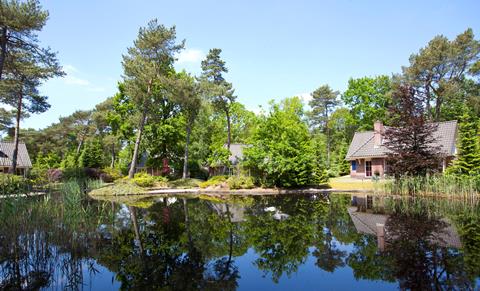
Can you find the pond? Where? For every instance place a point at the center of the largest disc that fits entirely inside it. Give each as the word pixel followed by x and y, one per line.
pixel 303 242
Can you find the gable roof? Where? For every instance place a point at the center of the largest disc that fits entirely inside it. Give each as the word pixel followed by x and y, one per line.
pixel 363 143
pixel 6 153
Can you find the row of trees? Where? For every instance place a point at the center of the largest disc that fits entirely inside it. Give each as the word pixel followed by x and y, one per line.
pixel 192 120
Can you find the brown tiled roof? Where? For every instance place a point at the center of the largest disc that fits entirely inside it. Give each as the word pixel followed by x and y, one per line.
pixel 362 145
pixel 6 153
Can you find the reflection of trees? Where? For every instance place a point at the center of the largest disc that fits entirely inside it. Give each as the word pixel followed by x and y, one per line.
pixel 420 261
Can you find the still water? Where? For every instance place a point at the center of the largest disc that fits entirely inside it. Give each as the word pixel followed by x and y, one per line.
pixel 299 242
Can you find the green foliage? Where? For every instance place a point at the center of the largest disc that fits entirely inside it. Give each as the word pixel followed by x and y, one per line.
pixel 213 181
pixel 324 99
pixel 240 182
pixel 13 184
pixel 368 99
pixel 282 153
pixel 92 155
pixel 49 161
pixel 468 148
pixel 113 173
pixel 143 179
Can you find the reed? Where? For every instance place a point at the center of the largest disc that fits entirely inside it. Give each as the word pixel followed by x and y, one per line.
pixel 435 185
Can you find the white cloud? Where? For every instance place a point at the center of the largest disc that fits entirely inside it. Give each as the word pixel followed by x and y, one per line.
pixel 190 56
pixel 69 69
pixel 306 97
pixel 72 80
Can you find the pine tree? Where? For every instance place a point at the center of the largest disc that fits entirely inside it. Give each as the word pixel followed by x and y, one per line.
pixel 468 161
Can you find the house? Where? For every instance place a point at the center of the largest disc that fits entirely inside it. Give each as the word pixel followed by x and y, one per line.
pixel 367 153
pixel 23 159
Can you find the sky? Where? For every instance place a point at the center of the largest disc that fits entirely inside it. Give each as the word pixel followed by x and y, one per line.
pixel 273 49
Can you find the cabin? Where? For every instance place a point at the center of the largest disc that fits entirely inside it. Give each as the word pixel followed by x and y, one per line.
pixel 368 155
pixel 236 156
pixel 23 159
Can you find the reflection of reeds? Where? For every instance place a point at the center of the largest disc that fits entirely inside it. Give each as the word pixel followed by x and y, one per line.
pixel 435 185
pixel 35 232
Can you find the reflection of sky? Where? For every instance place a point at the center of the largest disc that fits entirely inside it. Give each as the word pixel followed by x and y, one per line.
pixel 308 277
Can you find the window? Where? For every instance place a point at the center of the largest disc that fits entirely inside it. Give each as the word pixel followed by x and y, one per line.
pixel 354 165
pixel 368 168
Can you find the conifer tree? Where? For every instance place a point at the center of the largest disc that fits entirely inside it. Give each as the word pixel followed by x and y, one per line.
pixel 219 90
pixel 468 160
pixel 147 67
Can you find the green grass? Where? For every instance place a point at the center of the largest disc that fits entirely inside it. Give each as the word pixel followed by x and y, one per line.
pixel 120 188
pixel 184 183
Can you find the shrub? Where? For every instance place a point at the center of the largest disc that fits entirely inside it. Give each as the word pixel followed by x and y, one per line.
pixel 240 182
pixel 110 175
pixel 143 180
pixel 213 181
pixel 160 181
pixel 39 176
pixel 54 175
pixel 13 184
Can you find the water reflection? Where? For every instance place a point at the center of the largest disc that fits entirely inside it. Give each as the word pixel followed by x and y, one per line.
pixel 226 244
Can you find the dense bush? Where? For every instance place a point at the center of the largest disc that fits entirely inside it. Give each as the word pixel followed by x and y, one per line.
pixel 110 174
pixel 240 182
pixel 143 179
pixel 13 184
pixel 213 181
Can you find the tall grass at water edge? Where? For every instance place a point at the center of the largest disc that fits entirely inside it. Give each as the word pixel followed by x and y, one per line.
pixel 435 185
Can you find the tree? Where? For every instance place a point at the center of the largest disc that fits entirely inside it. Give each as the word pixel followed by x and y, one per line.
pixel 368 99
pixel 187 94
pixel 468 158
pixel 438 70
pixel 282 152
pixel 20 22
pixel 411 143
pixel 324 100
pixel 215 85
pixel 92 155
pixel 146 67
pixel 6 118
pixel 19 89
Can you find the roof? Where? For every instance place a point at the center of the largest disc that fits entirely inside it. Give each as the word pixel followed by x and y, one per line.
pixel 366 223
pixel 362 145
pixel 6 153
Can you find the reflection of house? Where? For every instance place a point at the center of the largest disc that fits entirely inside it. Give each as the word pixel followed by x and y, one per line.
pixel 370 223
pixel 23 159
pixel 367 153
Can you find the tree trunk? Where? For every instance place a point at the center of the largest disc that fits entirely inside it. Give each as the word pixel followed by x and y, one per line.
pixel 112 163
pixel 185 160
pixel 133 165
pixel 229 133
pixel 13 168
pixel 3 47
pixel 133 217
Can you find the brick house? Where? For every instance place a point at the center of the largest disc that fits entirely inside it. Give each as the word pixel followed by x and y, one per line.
pixel 367 153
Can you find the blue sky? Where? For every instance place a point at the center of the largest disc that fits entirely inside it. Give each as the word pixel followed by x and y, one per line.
pixel 273 49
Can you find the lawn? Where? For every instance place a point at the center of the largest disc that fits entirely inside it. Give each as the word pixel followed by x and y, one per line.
pixel 348 183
